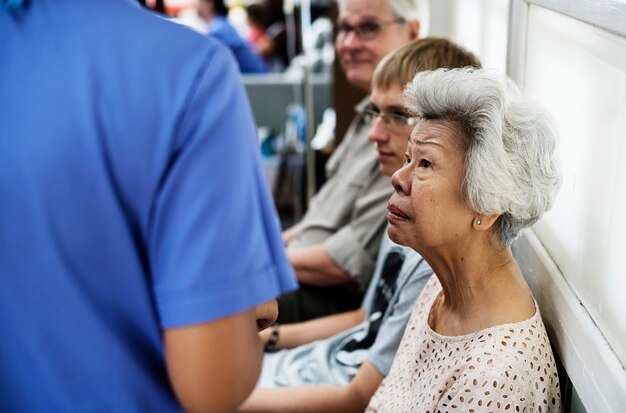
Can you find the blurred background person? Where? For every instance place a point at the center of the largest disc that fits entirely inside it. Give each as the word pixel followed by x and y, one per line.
pixel 214 13
pixel 258 35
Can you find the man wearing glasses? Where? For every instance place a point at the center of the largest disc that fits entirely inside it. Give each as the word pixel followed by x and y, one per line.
pixel 333 249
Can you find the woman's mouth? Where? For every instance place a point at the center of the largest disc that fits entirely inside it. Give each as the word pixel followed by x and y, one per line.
pixel 396 214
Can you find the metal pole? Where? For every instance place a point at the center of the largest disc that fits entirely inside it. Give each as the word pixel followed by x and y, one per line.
pixel 305 24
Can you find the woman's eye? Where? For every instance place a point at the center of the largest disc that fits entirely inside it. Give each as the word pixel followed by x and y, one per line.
pixel 425 163
pixel 407 160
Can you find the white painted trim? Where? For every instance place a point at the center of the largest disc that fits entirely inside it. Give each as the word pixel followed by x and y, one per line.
pixel 518 24
pixel 609 15
pixel 606 14
pixel 594 369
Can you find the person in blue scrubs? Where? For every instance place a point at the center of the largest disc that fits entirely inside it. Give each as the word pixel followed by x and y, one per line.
pixel 137 233
pixel 214 12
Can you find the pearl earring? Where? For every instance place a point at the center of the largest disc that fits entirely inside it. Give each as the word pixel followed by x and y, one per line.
pixel 478 222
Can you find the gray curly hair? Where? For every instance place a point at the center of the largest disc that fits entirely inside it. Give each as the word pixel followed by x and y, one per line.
pixel 511 168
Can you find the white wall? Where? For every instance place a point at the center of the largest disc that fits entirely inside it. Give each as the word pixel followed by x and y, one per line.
pixel 481 26
pixel 574 257
pixel 579 73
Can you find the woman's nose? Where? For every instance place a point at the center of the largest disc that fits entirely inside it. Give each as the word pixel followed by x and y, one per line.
pixel 400 182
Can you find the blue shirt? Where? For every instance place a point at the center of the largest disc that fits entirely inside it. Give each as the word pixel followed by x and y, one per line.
pixel 132 200
pixel 249 61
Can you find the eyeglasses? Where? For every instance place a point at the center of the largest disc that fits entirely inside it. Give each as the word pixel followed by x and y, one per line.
pixel 394 122
pixel 364 31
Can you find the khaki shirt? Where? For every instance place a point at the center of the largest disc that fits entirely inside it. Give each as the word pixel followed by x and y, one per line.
pixel 348 214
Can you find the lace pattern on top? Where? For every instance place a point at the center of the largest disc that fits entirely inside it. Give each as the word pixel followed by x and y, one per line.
pixel 505 368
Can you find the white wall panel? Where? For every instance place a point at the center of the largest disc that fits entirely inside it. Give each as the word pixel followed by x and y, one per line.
pixel 482 27
pixel 579 73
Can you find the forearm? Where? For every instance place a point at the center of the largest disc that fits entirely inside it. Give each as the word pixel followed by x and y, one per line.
pixel 294 335
pixel 314 266
pixel 214 366
pixel 303 400
pixel 352 398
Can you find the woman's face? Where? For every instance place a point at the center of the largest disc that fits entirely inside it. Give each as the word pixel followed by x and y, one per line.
pixel 427 209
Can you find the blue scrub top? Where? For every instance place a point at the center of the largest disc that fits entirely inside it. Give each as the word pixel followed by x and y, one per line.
pixel 133 200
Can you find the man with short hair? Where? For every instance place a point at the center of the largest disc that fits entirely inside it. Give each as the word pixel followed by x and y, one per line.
pixel 333 249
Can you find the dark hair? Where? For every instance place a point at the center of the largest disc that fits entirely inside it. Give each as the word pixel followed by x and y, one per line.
pixel 220 7
pixel 258 14
pixel 159 5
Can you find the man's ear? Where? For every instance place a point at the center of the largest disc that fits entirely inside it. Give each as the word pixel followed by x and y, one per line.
pixel 414 29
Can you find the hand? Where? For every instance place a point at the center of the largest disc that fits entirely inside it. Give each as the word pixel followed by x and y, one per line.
pixel 266 314
pixel 290 234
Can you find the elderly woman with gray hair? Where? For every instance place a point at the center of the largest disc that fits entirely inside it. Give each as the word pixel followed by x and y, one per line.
pixel 480 166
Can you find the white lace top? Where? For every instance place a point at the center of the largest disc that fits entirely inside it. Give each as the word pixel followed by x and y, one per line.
pixel 506 368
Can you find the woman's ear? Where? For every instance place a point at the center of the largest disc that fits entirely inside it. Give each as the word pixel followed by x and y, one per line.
pixel 484 222
pixel 414 29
